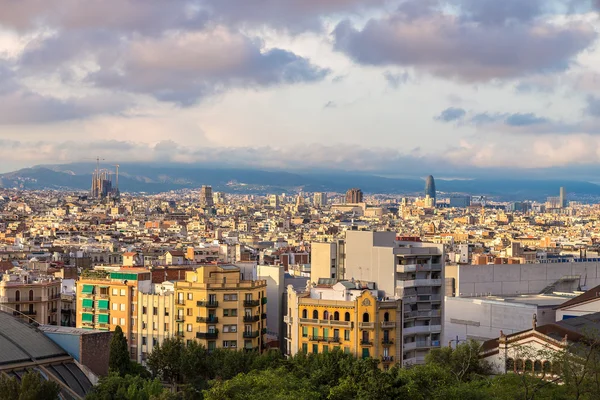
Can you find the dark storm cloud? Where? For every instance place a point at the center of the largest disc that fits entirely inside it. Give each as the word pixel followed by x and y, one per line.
pixel 451 114
pixel 477 45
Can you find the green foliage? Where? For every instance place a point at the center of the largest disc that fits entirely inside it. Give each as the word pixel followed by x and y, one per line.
pixel 463 362
pixel 116 387
pixel 118 360
pixel 31 387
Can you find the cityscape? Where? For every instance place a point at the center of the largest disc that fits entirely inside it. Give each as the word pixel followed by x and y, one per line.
pixel 394 199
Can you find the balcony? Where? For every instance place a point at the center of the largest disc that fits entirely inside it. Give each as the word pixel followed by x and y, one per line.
pixel 24 312
pixel 251 318
pixel 387 359
pixel 334 339
pixel 388 324
pixel 418 283
pixel 406 268
pixel 207 335
pixel 263 316
pixel 330 322
pixel 208 304
pixel 251 303
pixel 288 320
pixel 366 325
pixel 251 334
pixel 179 334
pixel 366 342
pixel 423 314
pixel 180 318
pixel 387 342
pixel 263 300
pixel 181 302
pixel 422 329
pixel 207 320
pixel 249 349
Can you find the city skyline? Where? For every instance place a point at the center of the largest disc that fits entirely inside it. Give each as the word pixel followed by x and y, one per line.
pixel 306 84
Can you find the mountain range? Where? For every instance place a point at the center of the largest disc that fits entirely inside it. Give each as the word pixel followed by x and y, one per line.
pixel 155 178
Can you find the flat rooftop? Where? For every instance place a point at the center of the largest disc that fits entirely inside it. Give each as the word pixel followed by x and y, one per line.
pixel 540 300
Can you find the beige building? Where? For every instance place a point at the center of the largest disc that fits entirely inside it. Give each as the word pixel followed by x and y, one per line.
pixel 31 297
pixel 155 315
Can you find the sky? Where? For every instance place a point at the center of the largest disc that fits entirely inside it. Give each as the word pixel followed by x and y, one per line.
pixel 457 88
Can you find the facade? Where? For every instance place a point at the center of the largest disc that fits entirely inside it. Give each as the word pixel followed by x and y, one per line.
pixel 460 201
pixel 106 300
pixel 320 199
pixel 354 196
pixel 274 201
pixel 430 188
pixel 411 271
pixel 206 196
pixel 31 297
pixel 154 312
pixel 347 316
pixel 584 304
pixel 563 197
pixel 274 275
pixel 215 306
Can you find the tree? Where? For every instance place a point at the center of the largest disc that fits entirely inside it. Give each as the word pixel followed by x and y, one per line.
pixel 31 387
pixel 166 360
pixel 113 387
pixel 463 362
pixel 118 360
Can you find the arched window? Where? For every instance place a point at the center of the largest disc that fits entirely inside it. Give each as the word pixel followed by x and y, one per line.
pixel 315 314
pixel 529 366
pixel 386 317
pixel 31 295
pixel 519 363
pixel 366 317
pixel 18 295
pixel 510 365
pixel 305 313
pixel 336 316
pixel 325 315
pixel 537 366
pixel 547 367
pixel 347 316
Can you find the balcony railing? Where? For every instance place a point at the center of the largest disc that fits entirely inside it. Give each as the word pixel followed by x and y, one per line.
pixel 24 312
pixel 251 334
pixel 419 282
pixel 248 349
pixel 207 335
pixel 387 359
pixel 207 320
pixel 388 324
pixel 366 342
pixel 181 302
pixel 180 318
pixel 387 342
pixel 366 325
pixel 331 322
pixel 251 303
pixel 263 316
pixel 422 329
pixel 208 304
pixel 179 334
pixel 423 314
pixel 251 318
pixel 334 339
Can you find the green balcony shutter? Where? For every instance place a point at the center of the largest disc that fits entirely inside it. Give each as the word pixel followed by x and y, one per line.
pixel 103 304
pixel 103 318
pixel 87 317
pixel 88 303
pixel 87 289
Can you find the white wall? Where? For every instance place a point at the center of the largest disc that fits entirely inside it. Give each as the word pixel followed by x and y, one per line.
pixel 274 275
pixel 579 309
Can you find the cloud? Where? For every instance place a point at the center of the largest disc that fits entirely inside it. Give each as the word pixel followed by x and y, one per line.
pixel 526 119
pixel 330 104
pixel 395 80
pixel 451 114
pixel 476 47
pixel 593 106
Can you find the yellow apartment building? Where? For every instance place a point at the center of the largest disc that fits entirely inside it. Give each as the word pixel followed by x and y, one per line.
pixel 215 306
pixel 31 297
pixel 347 316
pixel 107 299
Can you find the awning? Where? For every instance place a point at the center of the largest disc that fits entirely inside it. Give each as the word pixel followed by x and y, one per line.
pixel 87 289
pixel 88 303
pixel 103 318
pixel 103 304
pixel 87 317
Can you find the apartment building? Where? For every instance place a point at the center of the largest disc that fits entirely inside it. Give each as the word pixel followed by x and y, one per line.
pixel 344 315
pixel 220 309
pixel 31 297
pixel 411 271
pixel 155 315
pixel 107 299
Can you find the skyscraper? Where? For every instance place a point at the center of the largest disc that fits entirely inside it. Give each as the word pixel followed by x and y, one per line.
pixel 206 196
pixel 354 196
pixel 563 197
pixel 430 188
pixel 320 199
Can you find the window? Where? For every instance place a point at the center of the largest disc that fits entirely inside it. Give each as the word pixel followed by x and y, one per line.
pixel 386 317
pixel 189 327
pixel 18 295
pixel 115 306
pixel 315 331
pixel 143 340
pixel 154 326
pixel 231 344
pixel 336 333
pixel 304 313
pixel 230 312
pixel 315 348
pixel 31 294
pixel 325 349
pixel 248 297
pixel 143 325
pixel 365 353
pixel 144 310
pixel 115 292
pixel 305 348
pixel 346 350
pixel 122 321
pixel 115 321
pixel 230 297
pixel 229 328
pixel 212 345
pixel 122 292
pixel 347 316
pixel 304 331
pixel 325 333
pixel 315 314
pixel 190 296
pixel 325 315
pixel 154 342
pixel 346 334
pixel 166 312
pixel 189 312
pixel 122 307
pixel 365 317
pixel 166 326
pixel 154 310
pixel 336 316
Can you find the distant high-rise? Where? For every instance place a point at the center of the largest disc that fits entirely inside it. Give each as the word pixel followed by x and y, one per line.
pixel 354 196
pixel 206 196
pixel 274 201
pixel 563 197
pixel 320 199
pixel 102 182
pixel 430 188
